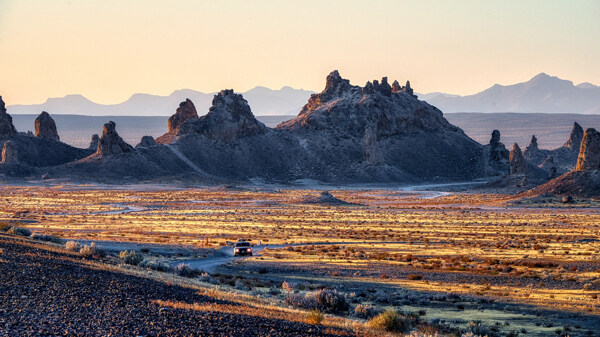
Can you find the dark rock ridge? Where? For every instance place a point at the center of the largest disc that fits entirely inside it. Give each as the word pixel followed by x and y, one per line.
pixel 518 164
pixel 345 134
pixel 45 127
pixel 94 142
pixel 584 179
pixel 7 129
pixel 111 143
pixel 228 119
pixel 146 141
pixel 325 198
pixel 496 156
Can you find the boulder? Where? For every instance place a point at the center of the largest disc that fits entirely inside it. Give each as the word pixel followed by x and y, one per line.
pixel 7 129
pixel 9 152
pixel 589 153
pixel 147 141
pixel 45 127
pixel 184 112
pixel 518 164
pixel 111 143
pixel 94 142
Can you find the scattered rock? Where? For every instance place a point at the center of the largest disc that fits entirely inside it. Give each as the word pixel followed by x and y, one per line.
pixel 45 127
pixel 111 143
pixel 518 164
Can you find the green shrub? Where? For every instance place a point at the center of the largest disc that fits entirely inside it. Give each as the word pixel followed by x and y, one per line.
pixel 131 257
pixel 389 320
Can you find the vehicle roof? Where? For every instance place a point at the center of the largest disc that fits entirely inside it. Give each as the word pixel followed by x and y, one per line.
pixel 244 243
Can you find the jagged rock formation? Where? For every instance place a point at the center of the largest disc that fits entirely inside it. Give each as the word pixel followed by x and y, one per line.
pixel 325 198
pixel 146 141
pixel 589 153
pixel 7 129
pixel 228 119
pixel 9 153
pixel 496 156
pixel 518 164
pixel 94 142
pixel 563 159
pixel 584 180
pixel 111 143
pixel 45 127
pixel 185 111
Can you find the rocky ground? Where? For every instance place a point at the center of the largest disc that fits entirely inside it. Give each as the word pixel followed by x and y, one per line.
pixel 45 292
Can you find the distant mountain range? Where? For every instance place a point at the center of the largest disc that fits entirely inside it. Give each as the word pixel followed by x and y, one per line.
pixel 543 93
pixel 264 102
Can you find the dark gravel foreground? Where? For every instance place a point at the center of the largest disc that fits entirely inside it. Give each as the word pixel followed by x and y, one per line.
pixel 44 293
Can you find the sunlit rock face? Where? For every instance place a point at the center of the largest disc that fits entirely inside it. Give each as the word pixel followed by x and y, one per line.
pixel 10 153
pixel 45 127
pixel 228 118
pixel 589 153
pixel 184 112
pixel 518 164
pixel 111 143
pixel 7 129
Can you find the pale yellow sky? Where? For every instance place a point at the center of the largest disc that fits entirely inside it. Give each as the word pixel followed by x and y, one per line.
pixel 107 50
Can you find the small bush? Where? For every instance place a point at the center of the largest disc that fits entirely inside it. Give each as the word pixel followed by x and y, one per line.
pixel 4 227
pixel 131 257
pixel 155 265
pixel 331 300
pixel 47 238
pixel 73 246
pixel 92 251
pixel 364 311
pixel 415 277
pixel 389 320
pixel 19 231
pixel 314 317
pixel 184 270
pixel 287 286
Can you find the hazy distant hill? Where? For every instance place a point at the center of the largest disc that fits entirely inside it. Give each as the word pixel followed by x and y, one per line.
pixel 543 93
pixel 264 101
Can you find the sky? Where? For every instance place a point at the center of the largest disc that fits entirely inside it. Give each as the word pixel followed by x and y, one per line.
pixel 107 50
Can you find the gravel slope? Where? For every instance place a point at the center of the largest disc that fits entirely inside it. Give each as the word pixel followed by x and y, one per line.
pixel 48 293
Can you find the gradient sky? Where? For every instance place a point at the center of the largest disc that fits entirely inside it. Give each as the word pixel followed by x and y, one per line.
pixel 110 49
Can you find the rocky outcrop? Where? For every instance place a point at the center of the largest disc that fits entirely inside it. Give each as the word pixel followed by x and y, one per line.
pixel 575 138
pixel 184 112
pixel 496 156
pixel 94 142
pixel 147 141
pixel 589 153
pixel 111 143
pixel 10 153
pixel 518 164
pixel 7 129
pixel 228 119
pixel 45 127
